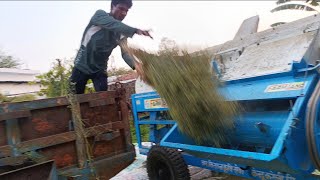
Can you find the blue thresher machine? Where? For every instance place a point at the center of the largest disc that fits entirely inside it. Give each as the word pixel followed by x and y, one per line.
pixel 274 75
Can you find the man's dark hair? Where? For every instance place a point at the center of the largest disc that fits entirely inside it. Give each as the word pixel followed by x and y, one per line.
pixel 127 2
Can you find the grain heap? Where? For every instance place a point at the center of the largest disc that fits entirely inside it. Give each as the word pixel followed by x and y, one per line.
pixel 190 90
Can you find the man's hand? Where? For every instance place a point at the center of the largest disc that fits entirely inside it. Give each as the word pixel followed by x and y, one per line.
pixel 144 32
pixel 140 72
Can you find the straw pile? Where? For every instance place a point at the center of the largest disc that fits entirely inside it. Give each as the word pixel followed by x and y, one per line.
pixel 190 90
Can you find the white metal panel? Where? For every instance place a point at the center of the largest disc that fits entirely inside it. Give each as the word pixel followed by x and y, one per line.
pixel 141 87
pixel 268 57
pixel 283 31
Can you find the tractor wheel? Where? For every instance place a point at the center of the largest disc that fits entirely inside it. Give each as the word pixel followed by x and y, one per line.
pixel 166 164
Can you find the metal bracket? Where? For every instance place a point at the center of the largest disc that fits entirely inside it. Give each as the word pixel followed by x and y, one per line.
pixel 263 127
pixel 309 68
pixel 216 68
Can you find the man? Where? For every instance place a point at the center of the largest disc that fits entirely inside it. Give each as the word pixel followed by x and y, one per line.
pixel 104 32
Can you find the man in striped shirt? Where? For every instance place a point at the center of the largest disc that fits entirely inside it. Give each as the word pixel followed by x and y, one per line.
pixel 103 33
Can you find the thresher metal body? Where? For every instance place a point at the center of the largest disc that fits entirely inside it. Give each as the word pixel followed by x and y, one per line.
pixel 274 75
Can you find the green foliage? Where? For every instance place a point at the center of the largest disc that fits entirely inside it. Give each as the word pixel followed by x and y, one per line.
pixel 26 97
pixel 8 61
pixel 282 1
pixel 294 6
pixel 144 131
pixel 55 82
pixel 312 2
pixel 89 89
pixel 4 98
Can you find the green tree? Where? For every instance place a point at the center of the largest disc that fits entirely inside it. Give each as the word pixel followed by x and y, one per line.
pixel 8 61
pixel 309 5
pixel 168 46
pixel 25 97
pixel 288 4
pixel 56 82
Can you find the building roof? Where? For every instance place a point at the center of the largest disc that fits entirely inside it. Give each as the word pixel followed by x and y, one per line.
pixel 17 75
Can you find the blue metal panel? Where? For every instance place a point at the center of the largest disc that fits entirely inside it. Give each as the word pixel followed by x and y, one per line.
pixel 157 122
pixel 253 90
pixel 153 128
pixel 297 110
pixel 259 129
pixel 177 140
pixel 244 171
pixel 140 102
pixel 136 119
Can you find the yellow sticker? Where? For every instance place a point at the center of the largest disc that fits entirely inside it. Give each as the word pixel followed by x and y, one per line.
pixel 154 103
pixel 285 87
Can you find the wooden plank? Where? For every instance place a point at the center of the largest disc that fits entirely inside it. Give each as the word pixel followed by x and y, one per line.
pixel 13 160
pixel 105 167
pixel 125 120
pixel 13 135
pixel 78 128
pixel 101 102
pixel 104 128
pixel 15 115
pixel 59 138
pixel 46 141
pixel 52 102
pixel 108 136
pixel 5 151
pixel 36 171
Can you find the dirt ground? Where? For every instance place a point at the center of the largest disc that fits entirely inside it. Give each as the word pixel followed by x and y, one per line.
pixel 137 171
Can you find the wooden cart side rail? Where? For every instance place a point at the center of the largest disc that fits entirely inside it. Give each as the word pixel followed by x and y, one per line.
pixel 59 138
pixel 9 109
pixel 108 165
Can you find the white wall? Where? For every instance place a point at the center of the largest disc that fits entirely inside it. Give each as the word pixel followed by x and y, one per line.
pixel 17 75
pixel 18 88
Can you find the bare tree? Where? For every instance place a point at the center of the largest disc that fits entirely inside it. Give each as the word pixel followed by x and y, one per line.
pixel 8 61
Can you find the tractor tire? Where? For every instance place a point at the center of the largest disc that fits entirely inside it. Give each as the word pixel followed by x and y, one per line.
pixel 166 164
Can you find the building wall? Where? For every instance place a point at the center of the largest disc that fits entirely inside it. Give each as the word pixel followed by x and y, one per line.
pixel 17 75
pixel 18 88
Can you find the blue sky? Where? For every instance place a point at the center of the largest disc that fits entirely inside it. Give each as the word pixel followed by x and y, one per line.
pixel 38 32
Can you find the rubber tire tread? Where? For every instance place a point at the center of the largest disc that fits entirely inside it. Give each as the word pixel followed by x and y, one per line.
pixel 310 121
pixel 173 160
